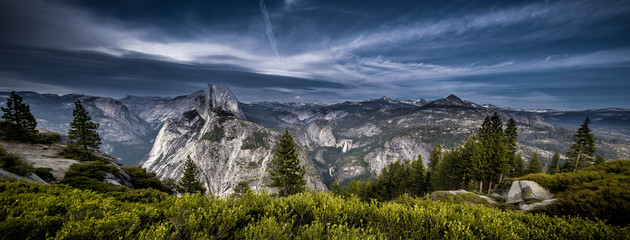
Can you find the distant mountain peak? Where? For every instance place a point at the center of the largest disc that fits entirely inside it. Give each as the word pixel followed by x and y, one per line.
pixel 450 101
pixel 452 97
pixel 219 99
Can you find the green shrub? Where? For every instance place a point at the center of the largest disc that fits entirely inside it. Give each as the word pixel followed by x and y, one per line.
pixel 92 169
pixel 44 174
pixel 49 138
pixel 73 151
pixel 138 195
pixel 597 192
pixel 56 211
pixel 141 179
pixel 545 180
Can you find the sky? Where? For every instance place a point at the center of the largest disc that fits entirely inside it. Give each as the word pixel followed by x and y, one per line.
pixel 564 55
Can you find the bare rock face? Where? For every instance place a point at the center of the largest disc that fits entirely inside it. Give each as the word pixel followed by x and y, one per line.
pixel 526 191
pixel 529 207
pixel 320 133
pixel 227 148
pixel 399 148
pixel 220 99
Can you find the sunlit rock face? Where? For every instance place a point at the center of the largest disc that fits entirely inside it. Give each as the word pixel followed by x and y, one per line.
pixel 227 148
pixel 337 142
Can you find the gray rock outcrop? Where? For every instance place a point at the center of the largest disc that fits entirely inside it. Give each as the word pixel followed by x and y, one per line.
pixel 529 207
pixel 527 191
pixel 227 148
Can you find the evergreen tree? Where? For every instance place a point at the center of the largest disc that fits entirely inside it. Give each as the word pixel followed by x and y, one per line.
pixel 519 169
pixel 419 186
pixel 554 167
pixel 581 152
pixel 492 162
pixel 21 125
pixel 286 174
pixel 511 145
pixel 82 129
pixel 434 161
pixel 189 183
pixel 534 164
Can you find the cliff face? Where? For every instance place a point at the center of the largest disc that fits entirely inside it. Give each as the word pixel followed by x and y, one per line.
pixel 339 142
pixel 226 147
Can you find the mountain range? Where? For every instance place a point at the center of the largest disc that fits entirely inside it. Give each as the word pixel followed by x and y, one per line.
pixel 232 141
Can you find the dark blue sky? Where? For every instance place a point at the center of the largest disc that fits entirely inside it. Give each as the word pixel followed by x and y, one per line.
pixel 536 54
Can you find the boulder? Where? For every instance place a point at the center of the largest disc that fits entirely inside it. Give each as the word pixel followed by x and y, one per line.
pixel 440 194
pixel 527 191
pixel 529 207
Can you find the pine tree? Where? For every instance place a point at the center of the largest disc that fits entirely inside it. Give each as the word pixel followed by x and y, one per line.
pixel 286 174
pixel 434 161
pixel 511 145
pixel 82 129
pixel 534 164
pixel 419 186
pixel 189 183
pixel 21 123
pixel 554 167
pixel 583 149
pixel 492 162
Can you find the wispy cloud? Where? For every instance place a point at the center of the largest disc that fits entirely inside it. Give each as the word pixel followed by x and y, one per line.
pixel 403 55
pixel 268 27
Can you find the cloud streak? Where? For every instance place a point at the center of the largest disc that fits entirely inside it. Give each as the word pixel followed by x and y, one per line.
pixel 268 27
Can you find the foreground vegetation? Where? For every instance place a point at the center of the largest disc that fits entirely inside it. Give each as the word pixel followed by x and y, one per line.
pixel 31 211
pixel 600 191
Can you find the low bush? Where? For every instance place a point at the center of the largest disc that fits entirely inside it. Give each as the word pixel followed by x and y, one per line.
pixel 73 151
pixel 598 192
pixel 48 138
pixel 44 174
pixel 141 179
pixel 37 212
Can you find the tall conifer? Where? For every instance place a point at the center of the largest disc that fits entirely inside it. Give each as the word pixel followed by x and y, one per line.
pixel 554 166
pixel 583 149
pixel 492 159
pixel 511 146
pixel 189 183
pixel 21 123
pixel 82 129
pixel 534 165
pixel 286 173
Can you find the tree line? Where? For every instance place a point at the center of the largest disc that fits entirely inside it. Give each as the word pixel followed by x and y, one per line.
pixel 484 159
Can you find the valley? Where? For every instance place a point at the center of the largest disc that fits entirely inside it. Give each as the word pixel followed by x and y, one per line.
pixel 233 141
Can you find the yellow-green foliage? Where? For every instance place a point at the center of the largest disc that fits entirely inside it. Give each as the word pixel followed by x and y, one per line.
pixel 37 212
pixel 600 191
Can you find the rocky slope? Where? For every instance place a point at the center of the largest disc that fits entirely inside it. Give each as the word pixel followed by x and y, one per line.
pixel 225 146
pixel 123 133
pixel 47 156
